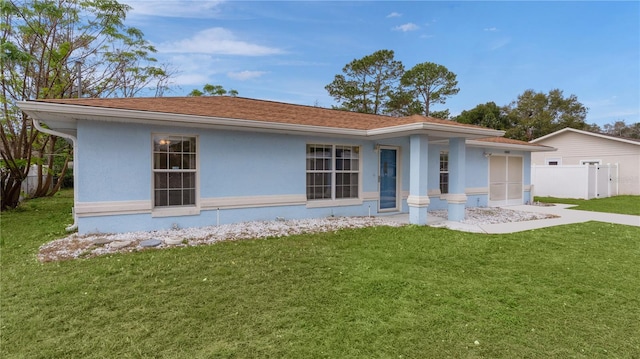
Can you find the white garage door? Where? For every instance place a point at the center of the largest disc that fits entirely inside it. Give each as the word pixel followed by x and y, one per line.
pixel 505 180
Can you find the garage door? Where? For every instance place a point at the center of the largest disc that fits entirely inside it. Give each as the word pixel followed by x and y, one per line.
pixel 505 180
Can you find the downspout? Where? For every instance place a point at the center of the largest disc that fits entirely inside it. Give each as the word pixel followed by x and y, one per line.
pixel 74 141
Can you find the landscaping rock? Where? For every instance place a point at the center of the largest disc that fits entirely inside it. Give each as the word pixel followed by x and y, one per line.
pixel 74 245
pixel 101 241
pixel 151 243
pixel 173 241
pixel 119 244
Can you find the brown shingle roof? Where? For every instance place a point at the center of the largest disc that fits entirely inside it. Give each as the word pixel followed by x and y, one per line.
pixel 508 141
pixel 256 110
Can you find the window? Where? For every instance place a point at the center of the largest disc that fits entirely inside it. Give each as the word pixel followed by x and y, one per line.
pixel 553 161
pixel 332 171
pixel 590 162
pixel 444 172
pixel 174 171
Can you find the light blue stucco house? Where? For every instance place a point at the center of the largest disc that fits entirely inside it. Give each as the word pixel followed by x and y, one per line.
pixel 156 163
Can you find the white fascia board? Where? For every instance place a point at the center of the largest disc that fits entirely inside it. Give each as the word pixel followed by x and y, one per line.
pixel 549 135
pixel 510 146
pixel 445 130
pixel 71 113
pixel 586 133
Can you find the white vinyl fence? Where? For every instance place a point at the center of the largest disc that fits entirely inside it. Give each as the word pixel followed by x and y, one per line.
pixel 30 184
pixel 578 181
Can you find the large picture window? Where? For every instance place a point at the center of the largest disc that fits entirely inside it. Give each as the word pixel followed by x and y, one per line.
pixel 332 171
pixel 174 170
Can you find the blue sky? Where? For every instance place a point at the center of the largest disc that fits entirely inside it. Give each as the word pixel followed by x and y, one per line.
pixel 288 51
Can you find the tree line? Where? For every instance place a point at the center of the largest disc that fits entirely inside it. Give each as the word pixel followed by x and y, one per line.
pixel 532 115
pixel 378 84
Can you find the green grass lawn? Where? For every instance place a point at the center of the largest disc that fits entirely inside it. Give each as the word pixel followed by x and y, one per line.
pixel 410 292
pixel 616 204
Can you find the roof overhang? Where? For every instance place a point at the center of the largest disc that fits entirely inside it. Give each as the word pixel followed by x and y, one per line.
pixel 511 146
pixel 434 130
pixel 587 133
pixel 64 118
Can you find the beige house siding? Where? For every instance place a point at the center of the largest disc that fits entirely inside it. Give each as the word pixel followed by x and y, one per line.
pixel 574 147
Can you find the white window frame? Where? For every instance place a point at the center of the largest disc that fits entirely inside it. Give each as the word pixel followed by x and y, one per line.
pixel 175 210
pixel 441 172
pixel 333 201
pixel 590 162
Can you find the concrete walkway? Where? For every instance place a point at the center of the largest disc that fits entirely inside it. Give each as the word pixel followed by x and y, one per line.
pixel 565 216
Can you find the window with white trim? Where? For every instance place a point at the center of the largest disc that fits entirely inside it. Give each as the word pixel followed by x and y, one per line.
pixel 174 170
pixel 444 172
pixel 590 162
pixel 333 171
pixel 553 161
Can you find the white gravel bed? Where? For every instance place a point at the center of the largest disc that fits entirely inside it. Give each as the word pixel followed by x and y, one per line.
pixel 493 215
pixel 87 246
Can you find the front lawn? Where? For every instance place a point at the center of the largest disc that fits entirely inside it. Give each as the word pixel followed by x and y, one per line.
pixel 616 204
pixel 410 292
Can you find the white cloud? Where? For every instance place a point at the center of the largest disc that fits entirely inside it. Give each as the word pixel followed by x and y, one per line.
pixel 175 8
pixel 605 115
pixel 609 101
pixel 218 41
pixel 193 62
pixel 490 29
pixel 394 14
pixel 245 75
pixel 500 43
pixel 196 80
pixel 406 27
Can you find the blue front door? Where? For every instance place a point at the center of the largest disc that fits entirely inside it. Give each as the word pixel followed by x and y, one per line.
pixel 388 179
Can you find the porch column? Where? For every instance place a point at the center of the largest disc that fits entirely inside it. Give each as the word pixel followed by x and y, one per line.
pixel 418 199
pixel 457 199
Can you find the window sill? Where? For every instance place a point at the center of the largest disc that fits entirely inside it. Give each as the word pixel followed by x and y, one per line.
pixel 334 202
pixel 175 211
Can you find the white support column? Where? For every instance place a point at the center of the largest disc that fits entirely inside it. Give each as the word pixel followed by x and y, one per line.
pixel 457 199
pixel 418 199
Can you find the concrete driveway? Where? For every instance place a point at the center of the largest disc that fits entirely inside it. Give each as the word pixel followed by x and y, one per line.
pixel 562 211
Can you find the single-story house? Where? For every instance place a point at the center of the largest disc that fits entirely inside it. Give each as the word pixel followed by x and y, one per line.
pixel 154 163
pixel 579 148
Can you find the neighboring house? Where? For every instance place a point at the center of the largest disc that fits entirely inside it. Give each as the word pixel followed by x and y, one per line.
pixel 152 163
pixel 620 157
